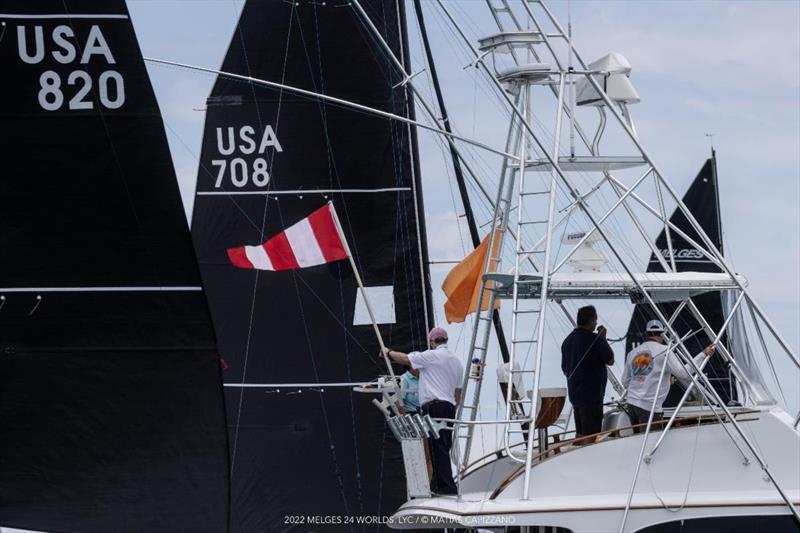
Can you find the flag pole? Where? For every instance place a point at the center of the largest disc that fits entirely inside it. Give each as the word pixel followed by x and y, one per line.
pixel 362 289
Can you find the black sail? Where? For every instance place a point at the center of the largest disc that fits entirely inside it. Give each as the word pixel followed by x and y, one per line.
pixel 269 159
pixel 702 200
pixel 111 406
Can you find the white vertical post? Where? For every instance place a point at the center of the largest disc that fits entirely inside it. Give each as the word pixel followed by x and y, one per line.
pixel 644 438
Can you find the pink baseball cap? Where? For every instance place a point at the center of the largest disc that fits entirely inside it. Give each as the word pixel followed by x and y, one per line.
pixel 437 333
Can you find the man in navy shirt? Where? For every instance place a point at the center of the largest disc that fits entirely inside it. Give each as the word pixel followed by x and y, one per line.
pixel 584 356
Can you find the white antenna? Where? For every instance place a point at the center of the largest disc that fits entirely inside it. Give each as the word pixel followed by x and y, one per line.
pixel 571 82
pixel 711 139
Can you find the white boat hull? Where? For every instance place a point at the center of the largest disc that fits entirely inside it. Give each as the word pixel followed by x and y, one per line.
pixel 697 472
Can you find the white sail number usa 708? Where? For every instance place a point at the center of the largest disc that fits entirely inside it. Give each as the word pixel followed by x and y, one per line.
pixel 244 141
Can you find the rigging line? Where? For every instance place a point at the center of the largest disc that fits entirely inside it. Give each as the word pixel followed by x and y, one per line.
pixel 462 56
pixel 324 119
pixel 296 275
pixel 323 409
pixel 334 100
pixel 691 471
pixel 332 168
pixel 348 370
pixel 336 318
pixel 153 260
pixel 409 98
pixel 205 169
pixel 471 224
pixel 240 405
pixel 333 174
pixel 394 133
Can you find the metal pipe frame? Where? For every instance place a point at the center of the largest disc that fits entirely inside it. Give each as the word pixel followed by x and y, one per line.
pixel 666 221
pixel 602 219
pixel 584 138
pixel 592 147
pixel 689 389
pixel 709 389
pixel 408 79
pixel 569 110
pixel 501 215
pixel 767 356
pixel 651 244
pixel 629 131
pixel 666 227
pixel 740 375
pixel 683 356
pixel 543 299
pixel 693 221
pixel 650 301
pixel 554 164
pixel 524 90
pixel 644 440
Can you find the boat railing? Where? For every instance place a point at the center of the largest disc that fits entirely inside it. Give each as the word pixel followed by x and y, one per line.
pixel 577 443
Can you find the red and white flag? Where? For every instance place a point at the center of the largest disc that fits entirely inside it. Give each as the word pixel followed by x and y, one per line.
pixel 315 240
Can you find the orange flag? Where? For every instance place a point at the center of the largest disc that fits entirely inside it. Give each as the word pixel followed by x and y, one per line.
pixel 463 284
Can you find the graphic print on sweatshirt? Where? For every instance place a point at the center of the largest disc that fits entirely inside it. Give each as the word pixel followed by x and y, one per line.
pixel 642 365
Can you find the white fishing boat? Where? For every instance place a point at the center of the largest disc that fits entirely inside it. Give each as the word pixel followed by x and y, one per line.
pixel 727 461
pixel 319 104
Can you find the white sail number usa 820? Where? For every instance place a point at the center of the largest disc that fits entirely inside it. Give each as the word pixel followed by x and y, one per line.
pixel 74 89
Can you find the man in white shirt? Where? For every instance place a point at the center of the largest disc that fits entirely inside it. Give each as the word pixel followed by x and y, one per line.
pixel 642 371
pixel 440 377
pixel 503 378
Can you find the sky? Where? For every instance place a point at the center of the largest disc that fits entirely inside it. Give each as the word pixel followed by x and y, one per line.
pixel 731 69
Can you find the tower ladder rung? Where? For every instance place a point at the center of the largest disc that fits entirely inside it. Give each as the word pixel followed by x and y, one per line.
pixel 529 252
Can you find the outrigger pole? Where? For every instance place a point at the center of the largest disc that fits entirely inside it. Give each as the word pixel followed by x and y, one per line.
pixel 333 100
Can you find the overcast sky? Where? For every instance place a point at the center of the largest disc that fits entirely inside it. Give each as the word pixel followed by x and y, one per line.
pixel 727 68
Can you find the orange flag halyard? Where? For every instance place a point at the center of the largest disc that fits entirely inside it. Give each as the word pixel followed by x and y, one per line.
pixel 463 283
